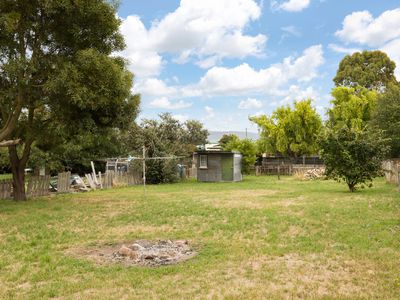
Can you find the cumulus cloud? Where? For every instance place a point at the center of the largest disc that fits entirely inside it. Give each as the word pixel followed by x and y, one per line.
pixel 291 5
pixel 143 58
pixel 245 79
pixel 165 103
pixel 206 31
pixel 296 93
pixel 250 103
pixel 155 87
pixel 382 32
pixel 361 27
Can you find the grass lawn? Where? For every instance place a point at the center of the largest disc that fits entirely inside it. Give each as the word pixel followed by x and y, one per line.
pixel 261 238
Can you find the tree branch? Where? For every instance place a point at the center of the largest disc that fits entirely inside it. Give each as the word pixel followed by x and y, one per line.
pixel 10 143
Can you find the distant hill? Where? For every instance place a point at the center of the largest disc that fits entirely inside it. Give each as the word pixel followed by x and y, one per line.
pixel 215 136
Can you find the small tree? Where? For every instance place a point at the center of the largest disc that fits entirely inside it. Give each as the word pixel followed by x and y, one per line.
pixel 290 131
pixel 352 107
pixel 226 138
pixel 248 150
pixel 353 156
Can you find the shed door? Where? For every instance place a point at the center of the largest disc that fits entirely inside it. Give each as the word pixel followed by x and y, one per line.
pixel 227 168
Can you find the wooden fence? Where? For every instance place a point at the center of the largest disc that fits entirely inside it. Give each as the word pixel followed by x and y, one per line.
pixel 392 170
pixel 5 188
pixel 64 182
pixel 38 186
pixel 284 169
pixel 112 179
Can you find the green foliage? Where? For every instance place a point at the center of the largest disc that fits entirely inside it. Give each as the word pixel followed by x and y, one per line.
pixel 370 69
pixel 226 138
pixel 59 77
pixel 352 155
pixel 290 132
pixel 248 150
pixel 352 107
pixel 387 118
pixel 165 137
pixel 194 133
pixel 4 161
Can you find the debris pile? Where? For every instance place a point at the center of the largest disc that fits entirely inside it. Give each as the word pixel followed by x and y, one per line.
pixel 153 253
pixel 314 174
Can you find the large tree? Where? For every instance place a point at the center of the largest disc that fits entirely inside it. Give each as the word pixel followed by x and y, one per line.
pixel 352 107
pixel 291 132
pixel 57 75
pixel 370 69
pixel 165 137
pixel 387 117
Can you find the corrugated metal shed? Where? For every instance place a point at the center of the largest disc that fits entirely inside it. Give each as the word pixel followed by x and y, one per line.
pixel 218 166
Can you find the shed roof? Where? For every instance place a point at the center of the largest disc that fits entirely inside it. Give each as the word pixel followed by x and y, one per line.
pixel 216 152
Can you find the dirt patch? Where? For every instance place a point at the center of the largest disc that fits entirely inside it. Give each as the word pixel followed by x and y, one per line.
pixel 140 253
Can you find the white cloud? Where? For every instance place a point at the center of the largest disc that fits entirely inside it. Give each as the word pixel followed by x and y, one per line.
pixel 382 32
pixel 206 30
pixel 296 93
pixel 250 103
pixel 244 79
pixel 165 103
pixel 291 5
pixel 344 50
pixel 155 87
pixel 361 27
pixel 292 30
pixel 143 58
pixel 393 51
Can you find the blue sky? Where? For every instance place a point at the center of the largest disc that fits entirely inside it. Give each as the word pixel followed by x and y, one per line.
pixel 221 61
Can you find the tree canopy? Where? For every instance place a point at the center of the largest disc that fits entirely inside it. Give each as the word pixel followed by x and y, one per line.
pixel 387 118
pixel 370 69
pixel 352 107
pixel 247 148
pixel 352 155
pixel 290 131
pixel 58 78
pixel 165 137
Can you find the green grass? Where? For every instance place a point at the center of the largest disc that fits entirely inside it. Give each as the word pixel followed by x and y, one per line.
pixel 5 176
pixel 261 238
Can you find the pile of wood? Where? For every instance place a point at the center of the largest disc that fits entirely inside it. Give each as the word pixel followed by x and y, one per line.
pixel 311 174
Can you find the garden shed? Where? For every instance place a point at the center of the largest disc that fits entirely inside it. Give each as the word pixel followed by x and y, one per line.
pixel 218 166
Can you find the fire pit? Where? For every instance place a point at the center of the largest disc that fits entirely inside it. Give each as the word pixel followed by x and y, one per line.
pixel 140 252
pixel 154 253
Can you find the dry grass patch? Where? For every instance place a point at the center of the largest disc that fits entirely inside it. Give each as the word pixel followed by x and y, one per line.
pixel 252 199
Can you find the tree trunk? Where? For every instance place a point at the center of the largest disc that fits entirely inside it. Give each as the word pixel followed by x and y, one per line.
pixel 352 187
pixel 18 172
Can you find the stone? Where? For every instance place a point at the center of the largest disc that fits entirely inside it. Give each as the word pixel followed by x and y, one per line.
pixel 136 247
pixel 124 251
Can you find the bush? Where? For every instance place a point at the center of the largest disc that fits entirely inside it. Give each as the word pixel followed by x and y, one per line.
pixel 353 156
